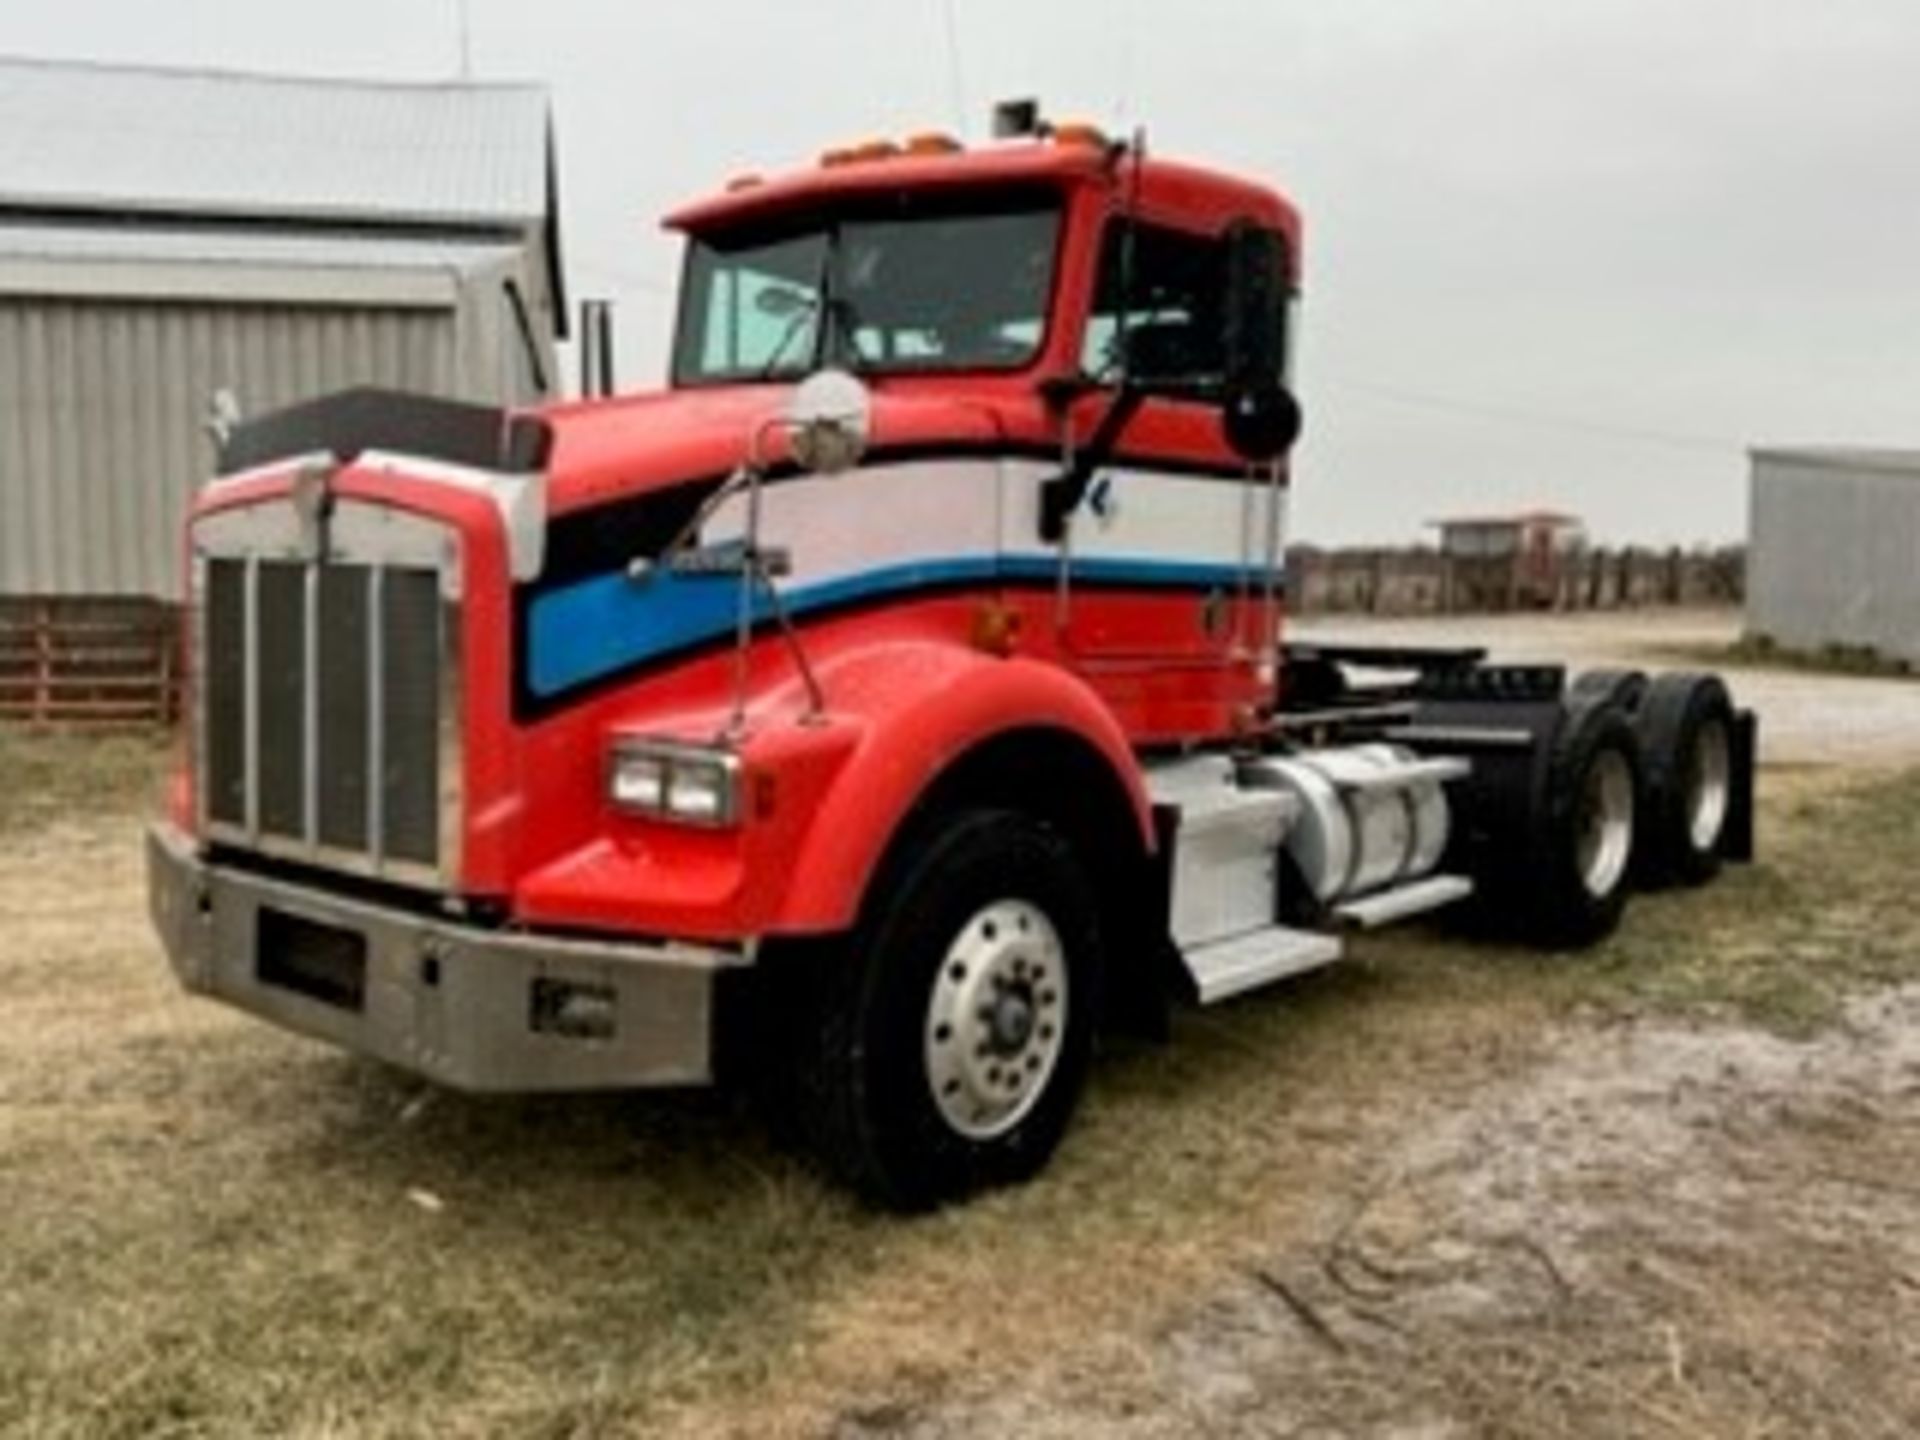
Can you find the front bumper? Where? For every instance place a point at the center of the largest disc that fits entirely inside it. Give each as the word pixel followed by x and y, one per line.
pixel 469 1007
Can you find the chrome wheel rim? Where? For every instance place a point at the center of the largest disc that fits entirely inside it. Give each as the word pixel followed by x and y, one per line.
pixel 1709 786
pixel 997 1019
pixel 1606 823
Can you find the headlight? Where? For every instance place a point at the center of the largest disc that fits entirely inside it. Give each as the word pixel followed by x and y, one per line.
pixel 688 783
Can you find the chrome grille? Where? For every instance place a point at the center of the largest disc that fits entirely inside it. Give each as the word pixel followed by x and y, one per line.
pixel 327 712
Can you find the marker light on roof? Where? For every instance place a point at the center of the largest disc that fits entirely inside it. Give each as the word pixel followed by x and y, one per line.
pixel 1079 132
pixel 931 142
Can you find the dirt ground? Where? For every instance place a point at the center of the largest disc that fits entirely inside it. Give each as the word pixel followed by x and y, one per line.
pixel 1669 1188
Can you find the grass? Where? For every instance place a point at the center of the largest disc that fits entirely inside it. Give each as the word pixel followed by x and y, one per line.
pixel 1827 911
pixel 46 774
pixel 1759 652
pixel 214 1229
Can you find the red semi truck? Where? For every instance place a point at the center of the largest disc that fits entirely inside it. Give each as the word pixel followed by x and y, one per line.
pixel 882 708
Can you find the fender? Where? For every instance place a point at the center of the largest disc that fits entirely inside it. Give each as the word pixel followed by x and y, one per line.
pixel 912 733
pixel 828 799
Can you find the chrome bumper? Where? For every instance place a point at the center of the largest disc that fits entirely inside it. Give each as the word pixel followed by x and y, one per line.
pixel 468 1007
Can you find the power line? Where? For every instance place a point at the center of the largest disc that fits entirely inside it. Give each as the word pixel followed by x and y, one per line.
pixel 1539 419
pixel 626 275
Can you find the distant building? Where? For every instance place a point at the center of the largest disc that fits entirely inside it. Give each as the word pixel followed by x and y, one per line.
pixel 1509 562
pixel 169 237
pixel 1834 550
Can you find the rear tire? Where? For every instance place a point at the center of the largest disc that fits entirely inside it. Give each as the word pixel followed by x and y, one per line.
pixel 1625 688
pixel 1686 727
pixel 1580 867
pixel 943 1051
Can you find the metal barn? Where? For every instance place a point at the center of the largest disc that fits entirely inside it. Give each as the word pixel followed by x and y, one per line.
pixel 172 243
pixel 1834 550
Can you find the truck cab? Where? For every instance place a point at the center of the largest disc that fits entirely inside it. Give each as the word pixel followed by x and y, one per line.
pixel 884 705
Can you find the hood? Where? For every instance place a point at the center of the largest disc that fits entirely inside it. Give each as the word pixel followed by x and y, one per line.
pixel 605 450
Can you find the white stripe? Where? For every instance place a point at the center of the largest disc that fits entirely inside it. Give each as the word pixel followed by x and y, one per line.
pixel 834 526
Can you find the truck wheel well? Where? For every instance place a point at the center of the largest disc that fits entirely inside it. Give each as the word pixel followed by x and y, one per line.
pixel 1064 782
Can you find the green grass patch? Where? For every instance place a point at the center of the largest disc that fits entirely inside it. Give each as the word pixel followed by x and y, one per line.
pixel 1758 652
pixel 1828 909
pixel 45 775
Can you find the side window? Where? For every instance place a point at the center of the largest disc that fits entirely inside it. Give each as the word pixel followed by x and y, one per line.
pixel 1174 315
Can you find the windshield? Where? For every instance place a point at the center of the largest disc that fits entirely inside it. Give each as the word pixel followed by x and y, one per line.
pixel 918 289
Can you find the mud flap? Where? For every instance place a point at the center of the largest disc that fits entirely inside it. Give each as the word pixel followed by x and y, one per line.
pixel 1737 843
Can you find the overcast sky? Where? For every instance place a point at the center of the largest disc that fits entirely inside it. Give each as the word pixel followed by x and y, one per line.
pixel 1578 253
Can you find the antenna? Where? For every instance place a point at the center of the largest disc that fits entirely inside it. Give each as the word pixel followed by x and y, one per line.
pixel 956 78
pixel 1129 28
pixel 466 39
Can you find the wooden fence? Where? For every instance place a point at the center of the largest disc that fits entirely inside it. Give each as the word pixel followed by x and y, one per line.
pixel 1422 581
pixel 89 662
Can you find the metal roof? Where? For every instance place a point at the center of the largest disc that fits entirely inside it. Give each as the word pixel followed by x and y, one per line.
pixel 1881 460
pixel 85 137
pixel 1515 521
pixel 118 245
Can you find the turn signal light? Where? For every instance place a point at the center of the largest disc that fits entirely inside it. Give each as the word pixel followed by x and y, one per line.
pixel 996 628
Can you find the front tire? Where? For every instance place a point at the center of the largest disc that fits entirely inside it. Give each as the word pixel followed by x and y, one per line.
pixel 944 1052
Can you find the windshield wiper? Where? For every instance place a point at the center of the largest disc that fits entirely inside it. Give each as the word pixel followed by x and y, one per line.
pixel 809 310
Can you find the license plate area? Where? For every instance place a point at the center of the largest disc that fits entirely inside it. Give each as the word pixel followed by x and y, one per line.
pixel 321 962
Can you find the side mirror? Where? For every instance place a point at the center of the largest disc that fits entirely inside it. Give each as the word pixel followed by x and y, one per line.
pixel 1261 420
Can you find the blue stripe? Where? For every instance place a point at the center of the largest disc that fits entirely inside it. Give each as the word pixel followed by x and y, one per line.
pixel 584 631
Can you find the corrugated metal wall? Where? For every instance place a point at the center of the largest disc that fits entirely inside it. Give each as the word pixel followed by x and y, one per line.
pixel 102 411
pixel 1835 557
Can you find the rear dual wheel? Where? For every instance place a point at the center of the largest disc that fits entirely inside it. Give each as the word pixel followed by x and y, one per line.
pixel 1686 726
pixel 1577 871
pixel 1639 787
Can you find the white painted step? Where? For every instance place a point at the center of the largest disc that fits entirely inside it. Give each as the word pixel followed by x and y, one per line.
pixel 1224 968
pixel 1372 911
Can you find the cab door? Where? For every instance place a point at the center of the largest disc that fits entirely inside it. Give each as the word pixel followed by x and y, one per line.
pixel 1165 563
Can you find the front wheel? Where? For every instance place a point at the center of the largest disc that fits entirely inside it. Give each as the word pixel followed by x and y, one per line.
pixel 945 1049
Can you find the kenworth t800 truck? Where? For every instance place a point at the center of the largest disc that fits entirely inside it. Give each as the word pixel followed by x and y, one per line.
pixel 882 708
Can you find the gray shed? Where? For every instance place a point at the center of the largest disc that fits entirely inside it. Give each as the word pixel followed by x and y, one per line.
pixel 166 236
pixel 1834 550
